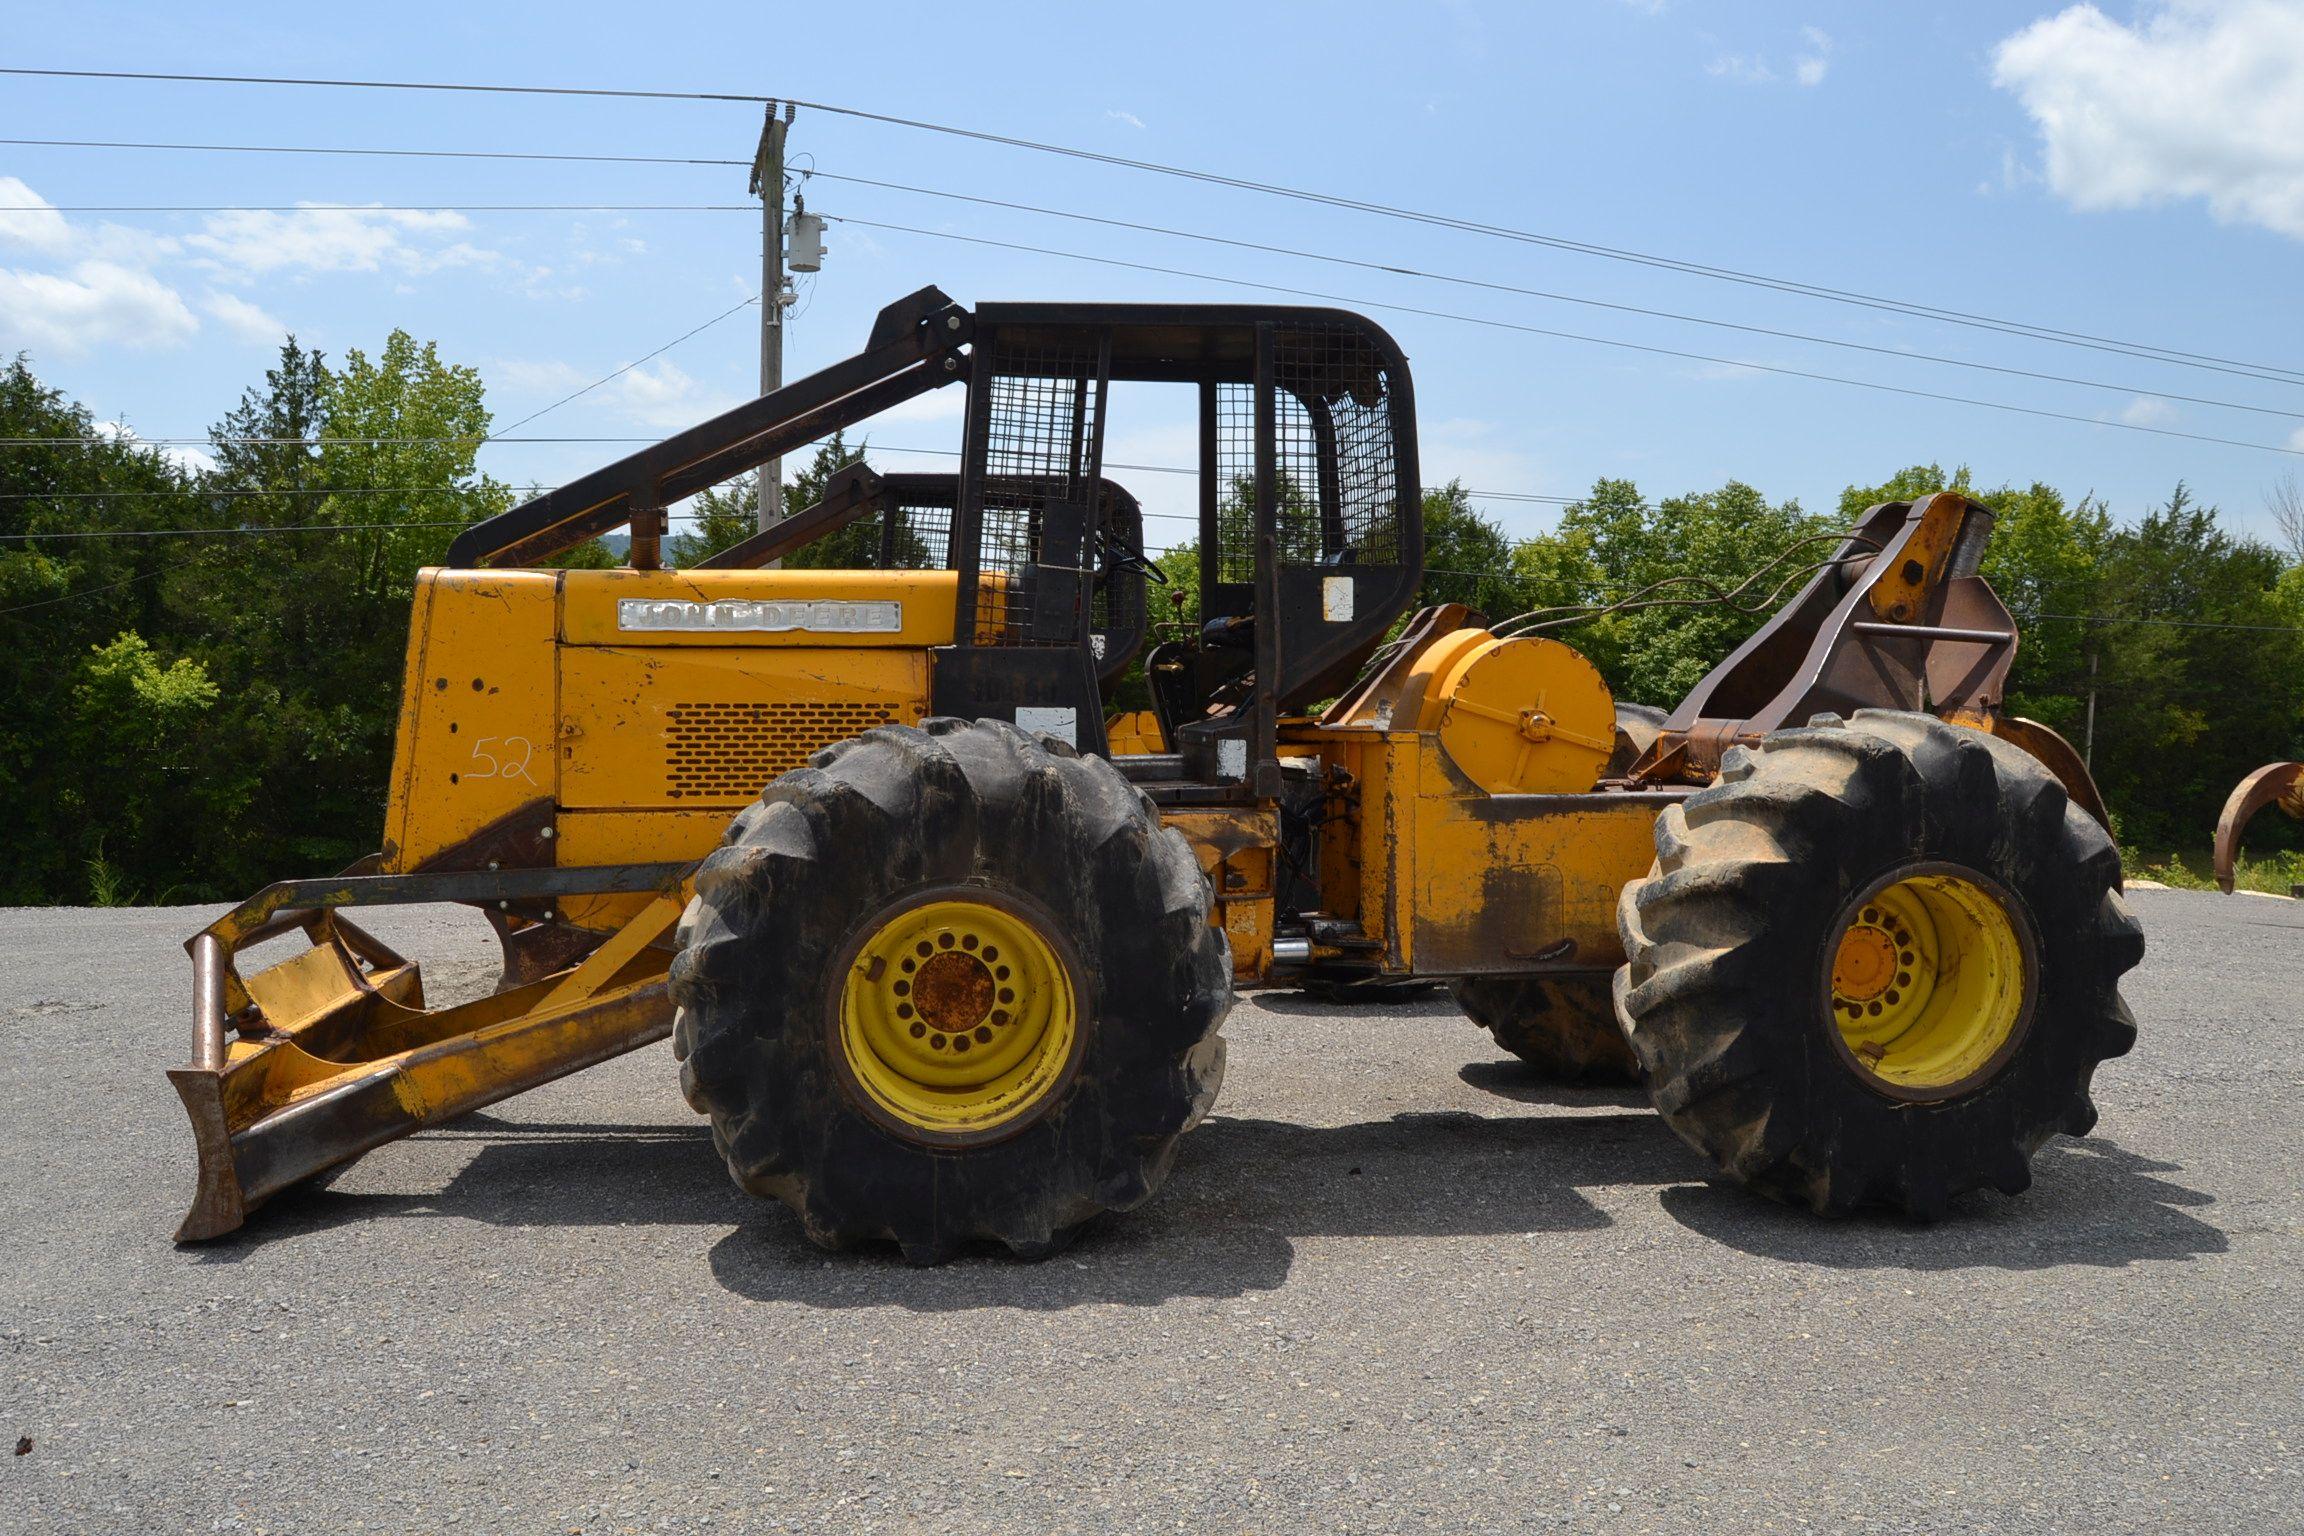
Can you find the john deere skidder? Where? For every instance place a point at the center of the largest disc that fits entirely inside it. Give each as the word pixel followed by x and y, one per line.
pixel 940 969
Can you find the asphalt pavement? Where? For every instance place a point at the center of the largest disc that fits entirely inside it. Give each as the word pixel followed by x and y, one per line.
pixel 1392 1285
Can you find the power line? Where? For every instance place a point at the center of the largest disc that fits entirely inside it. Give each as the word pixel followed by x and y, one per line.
pixel 138 440
pixel 2114 618
pixel 379 208
pixel 197 494
pixel 1901 354
pixel 163 533
pixel 112 586
pixel 2028 329
pixel 388 154
pixel 1556 297
pixel 388 85
pixel 636 362
pixel 1601 341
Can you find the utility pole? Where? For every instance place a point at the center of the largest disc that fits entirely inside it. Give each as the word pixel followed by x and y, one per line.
pixel 2088 741
pixel 768 183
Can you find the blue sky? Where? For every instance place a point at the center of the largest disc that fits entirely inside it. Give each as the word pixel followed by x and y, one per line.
pixel 2133 172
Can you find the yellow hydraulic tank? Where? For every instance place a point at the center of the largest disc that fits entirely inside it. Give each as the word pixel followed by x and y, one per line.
pixel 1520 716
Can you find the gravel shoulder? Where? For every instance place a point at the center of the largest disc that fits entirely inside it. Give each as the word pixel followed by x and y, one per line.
pixel 1392 1285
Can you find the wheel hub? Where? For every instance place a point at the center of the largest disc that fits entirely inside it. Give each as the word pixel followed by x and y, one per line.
pixel 953 992
pixel 957 1016
pixel 1865 965
pixel 1929 984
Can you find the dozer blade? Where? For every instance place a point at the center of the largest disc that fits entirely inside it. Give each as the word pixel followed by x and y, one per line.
pixel 2280 784
pixel 337 1054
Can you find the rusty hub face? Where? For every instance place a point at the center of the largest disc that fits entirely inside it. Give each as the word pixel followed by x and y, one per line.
pixel 958 1016
pixel 1865 965
pixel 953 992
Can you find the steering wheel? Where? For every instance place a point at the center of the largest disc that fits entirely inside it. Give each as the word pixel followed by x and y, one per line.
pixel 1124 558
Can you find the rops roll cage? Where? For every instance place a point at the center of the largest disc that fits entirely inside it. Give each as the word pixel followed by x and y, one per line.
pixel 1310 529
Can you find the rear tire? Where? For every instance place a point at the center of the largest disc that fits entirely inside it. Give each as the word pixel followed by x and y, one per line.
pixel 796 1026
pixel 1564 1027
pixel 1770 991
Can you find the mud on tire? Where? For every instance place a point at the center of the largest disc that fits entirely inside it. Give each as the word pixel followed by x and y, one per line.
pixel 868 825
pixel 1727 998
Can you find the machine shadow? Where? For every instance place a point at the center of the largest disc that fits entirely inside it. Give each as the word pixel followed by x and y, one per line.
pixel 1243 1191
pixel 526 1174
pixel 2092 1202
pixel 1523 1084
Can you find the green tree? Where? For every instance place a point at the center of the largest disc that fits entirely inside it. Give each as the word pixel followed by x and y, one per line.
pixel 61 598
pixel 1613 547
pixel 725 514
pixel 1467 558
pixel 2201 670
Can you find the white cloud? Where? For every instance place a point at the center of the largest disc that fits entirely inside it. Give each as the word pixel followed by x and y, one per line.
pixel 198 461
pixel 1810 67
pixel 945 404
pixel 43 229
pixel 658 394
pixel 1749 68
pixel 662 395
pixel 1467 449
pixel 1130 118
pixel 2296 439
pixel 256 243
pixel 551 377
pixel 94 303
pixel 2197 99
pixel 2148 411
pixel 86 285
pixel 247 321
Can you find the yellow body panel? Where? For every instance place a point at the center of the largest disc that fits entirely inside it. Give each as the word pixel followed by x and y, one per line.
pixel 1501 883
pixel 1237 850
pixel 538 695
pixel 476 709
pixel 1445 878
pixel 674 727
pixel 1523 715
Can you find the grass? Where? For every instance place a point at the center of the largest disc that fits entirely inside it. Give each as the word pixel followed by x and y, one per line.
pixel 2193 870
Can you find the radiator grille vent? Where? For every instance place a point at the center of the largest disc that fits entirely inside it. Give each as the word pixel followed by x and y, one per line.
pixel 730 751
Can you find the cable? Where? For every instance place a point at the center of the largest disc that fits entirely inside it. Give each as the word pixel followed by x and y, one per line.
pixel 1539 620
pixel 1601 341
pixel 391 85
pixel 2059 336
pixel 1561 298
pixel 137 440
pixel 636 362
pixel 196 493
pixel 2114 618
pixel 161 533
pixel 380 208
pixel 389 154
pixel 1186 234
pixel 90 592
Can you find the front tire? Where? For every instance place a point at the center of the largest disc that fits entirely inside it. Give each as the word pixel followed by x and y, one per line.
pixel 1877 962
pixel 950 984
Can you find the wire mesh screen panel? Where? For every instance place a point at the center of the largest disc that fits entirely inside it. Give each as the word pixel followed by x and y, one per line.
pixel 918 532
pixel 1334 459
pixel 1039 482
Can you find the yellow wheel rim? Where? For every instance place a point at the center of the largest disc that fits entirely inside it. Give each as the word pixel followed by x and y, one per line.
pixel 1929 984
pixel 957 1018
